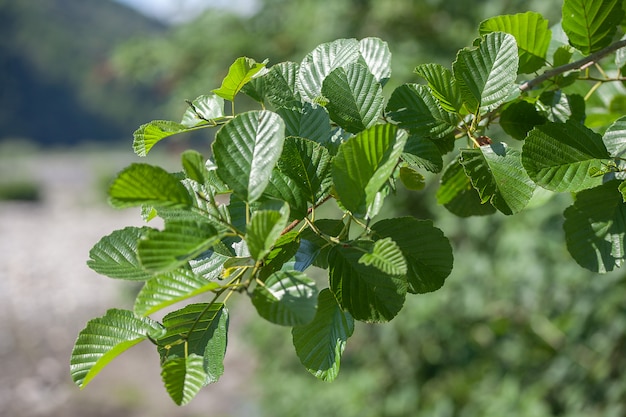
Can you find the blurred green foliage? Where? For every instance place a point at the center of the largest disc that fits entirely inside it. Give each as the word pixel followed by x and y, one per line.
pixel 191 59
pixel 517 330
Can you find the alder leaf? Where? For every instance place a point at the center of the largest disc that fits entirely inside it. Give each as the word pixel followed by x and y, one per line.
pixel 591 24
pixel 246 150
pixel 320 343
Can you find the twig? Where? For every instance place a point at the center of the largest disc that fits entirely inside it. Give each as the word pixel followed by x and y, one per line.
pixel 580 64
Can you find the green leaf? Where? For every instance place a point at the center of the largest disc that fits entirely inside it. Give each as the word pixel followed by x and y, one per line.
pixel 146 184
pixel 458 195
pixel 164 290
pixel 308 164
pixel 367 293
pixel 559 107
pixel 194 166
pixel 385 255
pixel 198 329
pixel 284 188
pixel 531 33
pixel 264 229
pixel 203 110
pixel 497 173
pixel 104 338
pixel 377 56
pixel 519 118
pixel 615 138
pixel 355 98
pixel 115 255
pixel 559 156
pixel 239 73
pixel 320 62
pixel 311 122
pixel 412 179
pixel 287 298
pixel 591 24
pixel 427 251
pixel 283 251
pixel 595 227
pixel 281 90
pixel 150 133
pixel 316 248
pixel 423 153
pixel 183 378
pixel 363 165
pixel 442 86
pixel 416 110
pixel 161 251
pixel 246 150
pixel 320 344
pixel 486 74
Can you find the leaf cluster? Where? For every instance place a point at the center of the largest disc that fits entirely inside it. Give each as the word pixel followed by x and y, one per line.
pixel 244 219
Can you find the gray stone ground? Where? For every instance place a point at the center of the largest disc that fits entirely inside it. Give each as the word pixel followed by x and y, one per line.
pixel 47 294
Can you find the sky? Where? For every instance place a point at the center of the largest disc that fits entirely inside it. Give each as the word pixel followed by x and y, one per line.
pixel 178 11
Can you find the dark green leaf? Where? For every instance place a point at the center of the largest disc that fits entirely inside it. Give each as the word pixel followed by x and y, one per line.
pixel 366 292
pixel 442 86
pixel 497 173
pixel 519 118
pixel 458 195
pixel 412 179
pixel 281 90
pixel 427 251
pixel 320 344
pixel 283 251
pixel 311 122
pixel 287 298
pixel 284 188
pixel 423 153
pixel 559 156
pixel 308 164
pixel 416 110
pixel 595 227
pixel 193 164
pixel 560 107
pixel 150 185
pixel 355 98
pixel 385 255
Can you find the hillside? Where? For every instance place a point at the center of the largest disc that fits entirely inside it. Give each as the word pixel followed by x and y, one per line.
pixel 56 85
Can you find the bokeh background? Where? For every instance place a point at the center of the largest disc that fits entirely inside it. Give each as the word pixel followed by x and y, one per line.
pixel 517 330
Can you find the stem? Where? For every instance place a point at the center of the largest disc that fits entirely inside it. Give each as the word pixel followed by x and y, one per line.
pixel 310 210
pixel 580 64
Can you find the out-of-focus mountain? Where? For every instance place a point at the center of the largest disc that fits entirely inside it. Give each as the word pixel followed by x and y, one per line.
pixel 57 85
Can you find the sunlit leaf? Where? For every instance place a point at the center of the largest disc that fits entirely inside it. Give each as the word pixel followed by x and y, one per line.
pixel 281 89
pixel 104 338
pixel 412 179
pixel 246 150
pixel 115 255
pixel 150 133
pixel 239 73
pixel 183 377
pixel 203 110
pixel 140 184
pixel 377 56
pixel 591 24
pixel 442 86
pixel 458 195
pixel 559 156
pixel 615 138
pixel 363 165
pixel 486 74
pixel 531 33
pixel 264 229
pixel 385 255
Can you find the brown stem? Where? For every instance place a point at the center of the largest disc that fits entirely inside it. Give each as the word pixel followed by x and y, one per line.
pixel 294 223
pixel 580 64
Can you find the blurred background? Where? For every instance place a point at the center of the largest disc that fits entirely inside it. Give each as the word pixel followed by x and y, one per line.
pixel 517 330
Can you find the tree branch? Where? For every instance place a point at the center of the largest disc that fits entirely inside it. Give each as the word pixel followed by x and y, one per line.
pixel 580 64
